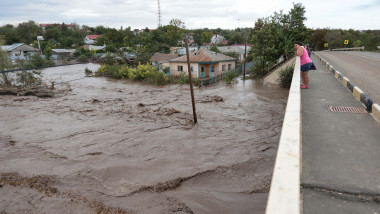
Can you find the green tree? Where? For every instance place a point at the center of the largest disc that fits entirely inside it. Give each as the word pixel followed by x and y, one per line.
pixel 319 39
pixel 48 52
pixel 206 37
pixel 215 49
pixel 28 32
pixel 4 64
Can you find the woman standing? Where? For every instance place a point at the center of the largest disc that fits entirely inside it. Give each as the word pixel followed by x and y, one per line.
pixel 306 63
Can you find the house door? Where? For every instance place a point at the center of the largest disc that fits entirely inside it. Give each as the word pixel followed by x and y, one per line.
pixel 202 72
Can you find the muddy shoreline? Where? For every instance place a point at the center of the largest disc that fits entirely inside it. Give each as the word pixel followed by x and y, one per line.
pixel 108 146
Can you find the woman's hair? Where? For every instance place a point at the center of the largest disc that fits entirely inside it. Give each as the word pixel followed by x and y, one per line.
pixel 298 43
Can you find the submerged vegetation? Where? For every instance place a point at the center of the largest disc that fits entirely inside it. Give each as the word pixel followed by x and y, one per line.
pixel 286 76
pixel 142 73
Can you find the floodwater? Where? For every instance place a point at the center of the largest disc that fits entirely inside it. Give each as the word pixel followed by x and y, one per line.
pixel 107 146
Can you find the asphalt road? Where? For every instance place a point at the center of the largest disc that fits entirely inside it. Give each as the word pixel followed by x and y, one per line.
pixel 362 68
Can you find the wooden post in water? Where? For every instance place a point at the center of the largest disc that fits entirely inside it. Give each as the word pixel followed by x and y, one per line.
pixel 190 80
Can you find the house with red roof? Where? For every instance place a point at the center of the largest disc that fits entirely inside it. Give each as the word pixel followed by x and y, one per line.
pixel 90 39
pixel 203 64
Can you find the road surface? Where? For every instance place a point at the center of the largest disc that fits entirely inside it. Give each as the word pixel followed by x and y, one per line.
pixel 362 68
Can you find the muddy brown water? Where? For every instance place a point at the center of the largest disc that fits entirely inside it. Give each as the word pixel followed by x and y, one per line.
pixel 107 146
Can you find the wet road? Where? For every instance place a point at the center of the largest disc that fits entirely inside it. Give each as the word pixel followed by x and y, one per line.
pixel 105 144
pixel 362 68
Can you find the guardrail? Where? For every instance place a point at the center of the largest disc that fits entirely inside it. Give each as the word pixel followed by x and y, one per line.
pixel 349 49
pixel 284 194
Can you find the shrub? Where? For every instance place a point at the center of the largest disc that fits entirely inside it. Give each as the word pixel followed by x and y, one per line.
pixel 88 72
pixel 183 78
pixel 29 78
pixel 231 75
pixel 36 61
pixel 82 58
pixel 108 71
pixel 286 76
pixel 157 78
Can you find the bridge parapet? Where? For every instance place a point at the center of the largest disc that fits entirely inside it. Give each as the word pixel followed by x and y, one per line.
pixel 284 195
pixel 349 49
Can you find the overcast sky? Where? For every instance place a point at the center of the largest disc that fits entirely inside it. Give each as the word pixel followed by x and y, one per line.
pixel 225 14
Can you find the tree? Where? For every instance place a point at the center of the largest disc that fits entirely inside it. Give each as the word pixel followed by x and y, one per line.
pixel 28 32
pixel 215 49
pixel 4 64
pixel 206 37
pixel 319 38
pixel 273 37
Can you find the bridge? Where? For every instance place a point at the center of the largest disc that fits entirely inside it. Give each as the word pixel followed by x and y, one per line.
pixel 328 160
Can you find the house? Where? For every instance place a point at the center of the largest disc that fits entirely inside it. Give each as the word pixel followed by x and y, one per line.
pixel 130 57
pixel 90 39
pixel 182 50
pixel 161 60
pixel 203 64
pixel 94 47
pixel 20 50
pixel 62 53
pixel 218 39
pixel 234 49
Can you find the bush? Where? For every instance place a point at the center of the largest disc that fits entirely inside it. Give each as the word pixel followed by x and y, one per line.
pixel 183 78
pixel 157 78
pixel 88 72
pixel 29 78
pixel 231 75
pixel 286 76
pixel 82 58
pixel 36 61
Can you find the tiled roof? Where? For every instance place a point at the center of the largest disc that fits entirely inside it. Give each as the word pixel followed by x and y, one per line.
pixel 93 36
pixel 203 55
pixel 161 57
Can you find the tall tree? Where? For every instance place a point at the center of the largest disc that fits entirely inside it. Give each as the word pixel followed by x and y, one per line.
pixel 28 32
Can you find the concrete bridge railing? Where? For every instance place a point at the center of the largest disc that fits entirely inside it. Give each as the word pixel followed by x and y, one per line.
pixel 284 195
pixel 349 49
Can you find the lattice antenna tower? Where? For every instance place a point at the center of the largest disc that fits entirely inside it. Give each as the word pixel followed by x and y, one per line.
pixel 159 14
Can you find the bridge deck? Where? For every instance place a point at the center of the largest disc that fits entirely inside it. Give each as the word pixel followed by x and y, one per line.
pixel 340 151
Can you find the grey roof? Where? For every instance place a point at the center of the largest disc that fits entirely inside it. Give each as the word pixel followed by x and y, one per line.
pixel 63 50
pixel 235 49
pixel 18 45
pixel 11 47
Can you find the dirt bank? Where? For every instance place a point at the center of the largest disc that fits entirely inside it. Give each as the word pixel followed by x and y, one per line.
pixel 110 146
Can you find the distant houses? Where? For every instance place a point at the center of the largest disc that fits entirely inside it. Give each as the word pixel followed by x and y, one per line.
pixel 239 50
pixel 161 60
pixel 203 64
pixel 19 50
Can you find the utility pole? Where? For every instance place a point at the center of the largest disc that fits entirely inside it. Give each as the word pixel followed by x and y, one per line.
pixel 245 57
pixel 159 14
pixel 190 80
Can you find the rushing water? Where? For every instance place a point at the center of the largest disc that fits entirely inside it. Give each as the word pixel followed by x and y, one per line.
pixel 105 143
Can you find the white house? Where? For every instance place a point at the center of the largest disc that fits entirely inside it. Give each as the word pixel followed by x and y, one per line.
pixel 217 39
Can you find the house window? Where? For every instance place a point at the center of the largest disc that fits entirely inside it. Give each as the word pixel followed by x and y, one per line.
pixel 229 67
pixel 202 69
pixel 223 67
pixel 180 68
pixel 192 69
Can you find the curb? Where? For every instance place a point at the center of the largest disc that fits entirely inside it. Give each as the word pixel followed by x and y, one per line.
pixel 355 90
